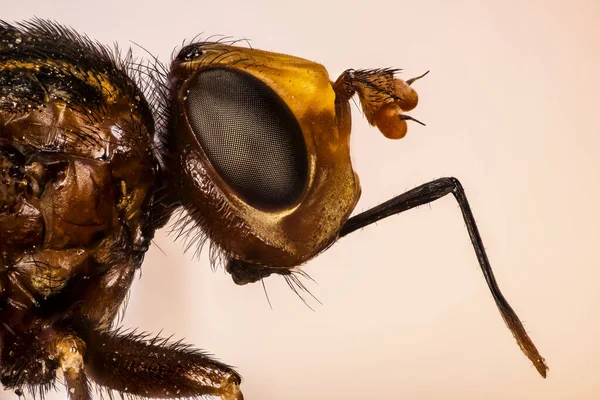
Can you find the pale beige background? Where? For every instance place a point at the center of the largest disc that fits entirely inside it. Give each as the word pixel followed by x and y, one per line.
pixel 512 109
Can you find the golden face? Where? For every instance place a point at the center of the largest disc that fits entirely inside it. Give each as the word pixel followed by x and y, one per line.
pixel 255 147
pixel 263 144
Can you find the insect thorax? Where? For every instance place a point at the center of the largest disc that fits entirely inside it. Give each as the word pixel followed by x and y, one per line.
pixel 78 170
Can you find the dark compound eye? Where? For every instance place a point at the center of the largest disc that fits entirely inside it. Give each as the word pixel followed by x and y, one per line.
pixel 250 136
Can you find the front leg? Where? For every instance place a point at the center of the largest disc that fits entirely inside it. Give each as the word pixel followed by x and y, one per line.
pixel 70 350
pixel 150 367
pixel 30 360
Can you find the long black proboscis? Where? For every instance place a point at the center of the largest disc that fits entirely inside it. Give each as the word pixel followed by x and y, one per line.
pixel 427 193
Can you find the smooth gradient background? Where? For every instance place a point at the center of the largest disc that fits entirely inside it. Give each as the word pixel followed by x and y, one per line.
pixel 512 109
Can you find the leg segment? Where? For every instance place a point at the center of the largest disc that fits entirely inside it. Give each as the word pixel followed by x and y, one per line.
pixel 427 193
pixel 137 365
pixel 31 360
pixel 70 351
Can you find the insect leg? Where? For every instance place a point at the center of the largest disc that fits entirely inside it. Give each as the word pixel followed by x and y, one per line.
pixel 71 351
pixel 427 193
pixel 30 360
pixel 151 367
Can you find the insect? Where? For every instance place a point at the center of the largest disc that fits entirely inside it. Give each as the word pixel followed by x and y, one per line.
pixel 97 152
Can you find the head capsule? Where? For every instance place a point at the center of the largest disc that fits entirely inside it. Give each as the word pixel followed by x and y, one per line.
pixel 260 145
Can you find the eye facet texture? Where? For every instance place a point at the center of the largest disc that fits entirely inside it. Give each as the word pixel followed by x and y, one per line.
pixel 250 136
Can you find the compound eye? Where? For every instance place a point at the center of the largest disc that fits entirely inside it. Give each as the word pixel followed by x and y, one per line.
pixel 249 135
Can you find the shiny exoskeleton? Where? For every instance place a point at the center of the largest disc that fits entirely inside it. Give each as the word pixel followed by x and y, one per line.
pixel 97 152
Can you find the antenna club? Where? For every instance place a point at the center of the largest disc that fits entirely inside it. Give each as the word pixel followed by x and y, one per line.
pixel 388 121
pixel 408 95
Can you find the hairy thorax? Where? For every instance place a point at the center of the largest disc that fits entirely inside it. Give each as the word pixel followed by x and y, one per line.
pixel 76 184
